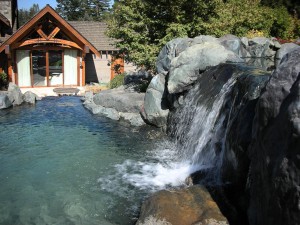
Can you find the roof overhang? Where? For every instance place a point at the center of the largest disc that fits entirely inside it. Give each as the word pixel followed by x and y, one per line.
pixel 63 25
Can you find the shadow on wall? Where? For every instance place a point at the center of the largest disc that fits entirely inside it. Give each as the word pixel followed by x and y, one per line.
pixel 90 69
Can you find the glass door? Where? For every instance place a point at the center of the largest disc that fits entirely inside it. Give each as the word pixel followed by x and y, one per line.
pixel 55 68
pixel 39 68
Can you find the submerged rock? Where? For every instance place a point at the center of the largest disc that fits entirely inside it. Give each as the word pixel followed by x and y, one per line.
pixel 275 149
pixel 187 206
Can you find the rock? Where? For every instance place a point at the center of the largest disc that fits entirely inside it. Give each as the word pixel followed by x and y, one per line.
pixel 155 111
pixel 88 97
pixel 261 47
pixel 107 112
pixel 4 101
pixel 14 94
pixel 169 51
pixel 188 206
pixel 196 59
pixel 30 97
pixel 234 44
pixel 120 100
pixel 286 48
pixel 275 149
pixel 134 119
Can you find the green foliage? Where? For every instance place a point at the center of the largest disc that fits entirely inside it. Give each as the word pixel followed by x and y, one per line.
pixel 88 10
pixel 3 80
pixel 117 81
pixel 25 15
pixel 143 27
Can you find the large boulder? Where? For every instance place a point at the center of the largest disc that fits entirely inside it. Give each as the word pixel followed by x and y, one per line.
pixel 170 51
pixel 234 43
pixel 185 68
pixel 286 48
pixel 155 110
pixel 275 149
pixel 4 101
pixel 261 47
pixel 14 94
pixel 120 100
pixel 30 97
pixel 187 206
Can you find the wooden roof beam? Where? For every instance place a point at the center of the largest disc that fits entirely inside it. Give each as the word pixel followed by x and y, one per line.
pixel 53 33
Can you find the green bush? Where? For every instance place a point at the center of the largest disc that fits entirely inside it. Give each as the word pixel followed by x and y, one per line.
pixel 3 80
pixel 117 81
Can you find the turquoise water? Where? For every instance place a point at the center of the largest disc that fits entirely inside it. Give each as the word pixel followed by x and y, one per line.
pixel 59 164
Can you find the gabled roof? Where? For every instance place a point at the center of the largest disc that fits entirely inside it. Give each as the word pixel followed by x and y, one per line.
pixel 95 33
pixel 63 25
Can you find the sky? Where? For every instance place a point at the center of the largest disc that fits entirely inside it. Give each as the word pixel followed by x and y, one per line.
pixel 26 4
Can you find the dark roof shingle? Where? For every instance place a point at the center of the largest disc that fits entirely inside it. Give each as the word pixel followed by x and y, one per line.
pixel 94 32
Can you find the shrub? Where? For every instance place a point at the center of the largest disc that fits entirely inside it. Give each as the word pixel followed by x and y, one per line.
pixel 3 80
pixel 117 81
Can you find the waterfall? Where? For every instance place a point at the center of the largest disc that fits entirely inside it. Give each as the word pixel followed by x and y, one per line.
pixel 200 126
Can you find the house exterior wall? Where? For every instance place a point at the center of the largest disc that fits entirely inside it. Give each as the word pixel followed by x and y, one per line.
pixel 98 69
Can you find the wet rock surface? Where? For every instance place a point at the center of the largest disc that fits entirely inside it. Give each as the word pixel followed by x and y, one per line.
pixel 188 206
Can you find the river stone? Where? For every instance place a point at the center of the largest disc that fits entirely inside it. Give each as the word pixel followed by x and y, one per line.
pixel 196 59
pixel 120 100
pixel 286 48
pixel 187 206
pixel 4 101
pixel 14 94
pixel 275 149
pixel 30 97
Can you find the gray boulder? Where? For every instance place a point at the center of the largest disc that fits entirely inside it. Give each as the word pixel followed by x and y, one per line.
pixel 185 68
pixel 30 97
pixel 134 119
pixel 275 149
pixel 188 206
pixel 233 43
pixel 4 101
pixel 107 112
pixel 120 100
pixel 261 47
pixel 169 51
pixel 14 94
pixel 286 48
pixel 155 111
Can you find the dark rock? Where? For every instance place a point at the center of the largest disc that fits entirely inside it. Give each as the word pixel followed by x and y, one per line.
pixel 286 48
pixel 155 110
pixel 188 206
pixel 14 94
pixel 275 149
pixel 4 101
pixel 185 68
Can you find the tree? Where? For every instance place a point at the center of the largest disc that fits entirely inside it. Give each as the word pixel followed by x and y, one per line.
pixel 142 27
pixel 83 9
pixel 25 15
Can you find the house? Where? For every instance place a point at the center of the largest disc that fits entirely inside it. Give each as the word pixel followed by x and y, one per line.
pixel 48 51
